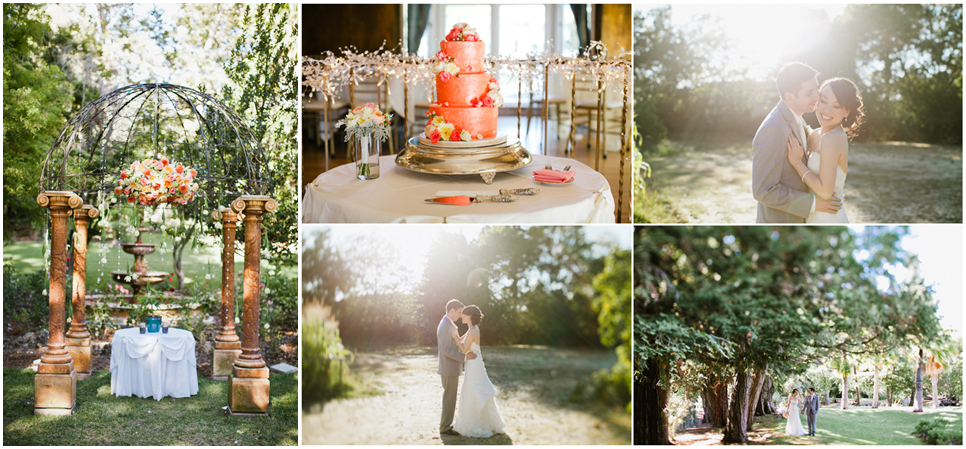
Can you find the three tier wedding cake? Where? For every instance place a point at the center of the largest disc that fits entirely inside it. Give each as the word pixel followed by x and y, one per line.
pixel 467 97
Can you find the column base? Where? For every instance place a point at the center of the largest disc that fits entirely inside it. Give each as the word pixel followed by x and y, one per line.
pixel 80 350
pixel 223 359
pixel 248 392
pixel 55 389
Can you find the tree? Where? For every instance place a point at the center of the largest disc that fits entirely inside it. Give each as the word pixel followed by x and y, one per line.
pixel 264 91
pixel 36 101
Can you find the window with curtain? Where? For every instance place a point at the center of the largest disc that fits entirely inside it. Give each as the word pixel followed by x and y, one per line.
pixel 477 16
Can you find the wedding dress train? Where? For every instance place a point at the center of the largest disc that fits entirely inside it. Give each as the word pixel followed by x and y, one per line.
pixel 477 414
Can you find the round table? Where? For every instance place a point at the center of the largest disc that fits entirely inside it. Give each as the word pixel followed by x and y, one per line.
pixel 398 196
pixel 153 364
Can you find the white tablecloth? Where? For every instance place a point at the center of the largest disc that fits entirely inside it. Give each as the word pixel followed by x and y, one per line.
pixel 398 195
pixel 153 364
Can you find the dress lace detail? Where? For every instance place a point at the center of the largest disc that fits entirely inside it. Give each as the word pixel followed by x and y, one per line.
pixel 477 414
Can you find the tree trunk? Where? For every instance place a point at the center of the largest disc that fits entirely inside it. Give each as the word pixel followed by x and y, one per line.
pixel 935 391
pixel 715 398
pixel 917 404
pixel 875 388
pixel 889 397
pixel 735 432
pixel 766 402
pixel 650 407
pixel 756 384
pixel 179 247
pixel 845 391
pixel 858 394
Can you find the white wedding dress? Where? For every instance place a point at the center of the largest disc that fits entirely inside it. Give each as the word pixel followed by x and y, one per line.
pixel 815 164
pixel 794 424
pixel 477 415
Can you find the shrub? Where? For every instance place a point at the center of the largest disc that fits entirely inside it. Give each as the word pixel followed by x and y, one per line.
pixel 325 372
pixel 937 431
pixel 25 305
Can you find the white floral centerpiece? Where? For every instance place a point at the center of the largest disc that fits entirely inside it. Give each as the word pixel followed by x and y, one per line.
pixel 368 126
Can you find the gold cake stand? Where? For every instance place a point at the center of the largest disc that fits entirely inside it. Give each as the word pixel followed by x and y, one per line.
pixel 463 159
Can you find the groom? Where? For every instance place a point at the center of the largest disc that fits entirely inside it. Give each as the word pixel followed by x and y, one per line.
pixel 781 194
pixel 811 409
pixel 450 365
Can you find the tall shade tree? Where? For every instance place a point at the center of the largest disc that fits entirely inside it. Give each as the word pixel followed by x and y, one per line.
pixel 37 98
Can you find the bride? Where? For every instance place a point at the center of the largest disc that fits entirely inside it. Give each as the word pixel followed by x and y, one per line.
pixel 839 113
pixel 477 415
pixel 794 424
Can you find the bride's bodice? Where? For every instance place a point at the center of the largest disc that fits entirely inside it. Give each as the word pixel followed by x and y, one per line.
pixel 475 348
pixel 815 164
pixel 794 402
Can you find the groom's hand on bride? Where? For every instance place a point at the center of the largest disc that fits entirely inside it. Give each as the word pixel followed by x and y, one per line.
pixel 470 356
pixel 830 205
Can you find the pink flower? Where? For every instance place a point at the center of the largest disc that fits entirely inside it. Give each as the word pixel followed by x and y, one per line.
pixel 427 113
pixel 179 169
pixel 471 38
pixel 435 136
pixel 476 102
pixel 487 101
pixel 493 80
pixel 455 135
pixel 453 34
pixel 441 56
pixel 445 76
pixel 164 161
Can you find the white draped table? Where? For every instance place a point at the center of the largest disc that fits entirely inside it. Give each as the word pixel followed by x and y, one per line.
pixel 398 196
pixel 153 364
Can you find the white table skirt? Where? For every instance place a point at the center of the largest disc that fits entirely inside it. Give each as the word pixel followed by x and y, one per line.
pixel 153 364
pixel 398 196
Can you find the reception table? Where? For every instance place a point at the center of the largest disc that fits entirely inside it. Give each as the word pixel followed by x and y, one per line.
pixel 153 364
pixel 398 196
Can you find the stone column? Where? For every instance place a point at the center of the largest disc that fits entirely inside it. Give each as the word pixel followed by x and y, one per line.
pixel 78 338
pixel 55 385
pixel 249 385
pixel 227 344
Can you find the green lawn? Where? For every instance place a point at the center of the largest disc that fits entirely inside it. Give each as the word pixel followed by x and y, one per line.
pixel 102 419
pixel 858 426
pixel 28 256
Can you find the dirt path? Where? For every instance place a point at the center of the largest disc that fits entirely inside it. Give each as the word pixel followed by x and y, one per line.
pixel 887 183
pixel 533 389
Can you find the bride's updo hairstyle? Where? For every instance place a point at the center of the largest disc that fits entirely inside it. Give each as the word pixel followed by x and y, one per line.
pixel 474 313
pixel 847 94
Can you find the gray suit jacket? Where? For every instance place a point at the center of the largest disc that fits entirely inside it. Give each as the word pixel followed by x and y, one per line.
pixel 450 358
pixel 781 194
pixel 811 404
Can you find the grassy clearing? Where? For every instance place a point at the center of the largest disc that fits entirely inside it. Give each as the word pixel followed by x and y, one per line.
pixel 102 260
pixel 535 394
pixel 859 425
pixel 103 419
pixel 710 182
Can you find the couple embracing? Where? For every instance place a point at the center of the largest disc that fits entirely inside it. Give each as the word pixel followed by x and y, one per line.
pixel 798 173
pixel 478 415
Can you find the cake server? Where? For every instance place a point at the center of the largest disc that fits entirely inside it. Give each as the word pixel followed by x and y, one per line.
pixel 463 200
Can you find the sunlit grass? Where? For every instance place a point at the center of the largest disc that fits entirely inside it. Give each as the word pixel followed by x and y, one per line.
pixel 102 260
pixel 102 419
pixel 860 425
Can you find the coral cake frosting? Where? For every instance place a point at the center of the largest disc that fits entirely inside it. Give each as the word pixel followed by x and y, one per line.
pixel 467 96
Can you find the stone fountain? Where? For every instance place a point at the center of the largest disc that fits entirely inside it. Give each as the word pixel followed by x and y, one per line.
pixel 144 277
